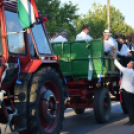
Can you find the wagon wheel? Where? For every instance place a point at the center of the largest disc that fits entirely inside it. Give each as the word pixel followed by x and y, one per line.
pixel 46 103
pixel 102 105
pixel 79 110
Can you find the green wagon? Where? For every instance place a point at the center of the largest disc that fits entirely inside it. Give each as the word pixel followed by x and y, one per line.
pixel 91 76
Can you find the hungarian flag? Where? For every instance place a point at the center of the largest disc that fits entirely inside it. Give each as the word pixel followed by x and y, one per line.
pixel 27 12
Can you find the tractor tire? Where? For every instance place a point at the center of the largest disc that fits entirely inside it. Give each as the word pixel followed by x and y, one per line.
pixel 124 109
pixel 102 105
pixel 78 110
pixel 45 105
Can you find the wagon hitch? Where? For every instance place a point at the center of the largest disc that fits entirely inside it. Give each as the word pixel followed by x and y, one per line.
pixel 75 77
pixel 5 109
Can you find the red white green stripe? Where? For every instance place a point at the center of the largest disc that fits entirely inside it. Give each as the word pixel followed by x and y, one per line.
pixel 27 12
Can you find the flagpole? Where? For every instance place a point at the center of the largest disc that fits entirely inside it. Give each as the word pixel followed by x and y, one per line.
pixel 108 14
pixel 10 1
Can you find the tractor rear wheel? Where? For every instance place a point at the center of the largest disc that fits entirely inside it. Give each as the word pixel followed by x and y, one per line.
pixel 102 105
pixel 79 110
pixel 45 106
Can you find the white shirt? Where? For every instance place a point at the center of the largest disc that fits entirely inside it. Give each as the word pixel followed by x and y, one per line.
pixel 127 81
pixel 109 45
pixel 59 39
pixel 132 47
pixel 124 50
pixel 83 36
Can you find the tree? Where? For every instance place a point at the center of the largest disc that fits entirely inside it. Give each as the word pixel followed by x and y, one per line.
pixel 132 36
pixel 61 15
pixel 97 19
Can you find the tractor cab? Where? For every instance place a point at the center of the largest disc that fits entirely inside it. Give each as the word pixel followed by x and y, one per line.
pixel 19 39
pixel 29 45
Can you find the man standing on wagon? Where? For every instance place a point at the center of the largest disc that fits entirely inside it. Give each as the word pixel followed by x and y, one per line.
pixel 109 43
pixel 127 88
pixel 84 35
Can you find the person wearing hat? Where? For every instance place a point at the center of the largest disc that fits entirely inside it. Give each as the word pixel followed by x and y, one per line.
pixel 127 88
pixel 84 35
pixel 109 43
pixel 62 36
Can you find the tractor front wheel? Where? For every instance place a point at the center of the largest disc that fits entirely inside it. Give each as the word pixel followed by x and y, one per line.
pixel 45 106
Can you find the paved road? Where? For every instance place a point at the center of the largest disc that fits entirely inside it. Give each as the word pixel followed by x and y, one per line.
pixel 86 124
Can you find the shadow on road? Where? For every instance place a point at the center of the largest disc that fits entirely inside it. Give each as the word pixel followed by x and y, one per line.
pixel 86 124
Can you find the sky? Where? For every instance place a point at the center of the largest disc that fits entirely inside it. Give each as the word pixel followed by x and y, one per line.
pixel 126 7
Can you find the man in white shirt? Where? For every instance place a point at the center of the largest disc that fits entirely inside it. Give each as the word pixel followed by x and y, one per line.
pixel 124 50
pixel 54 35
pixel 109 43
pixel 84 35
pixel 62 36
pixel 127 88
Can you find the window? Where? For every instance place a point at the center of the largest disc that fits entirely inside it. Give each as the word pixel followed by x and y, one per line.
pixel 41 40
pixel 15 40
pixel 0 44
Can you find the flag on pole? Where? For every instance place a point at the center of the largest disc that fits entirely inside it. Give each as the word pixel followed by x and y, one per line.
pixel 27 12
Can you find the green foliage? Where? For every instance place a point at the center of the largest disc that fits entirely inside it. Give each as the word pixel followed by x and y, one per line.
pixel 61 15
pixel 97 19
pixel 132 36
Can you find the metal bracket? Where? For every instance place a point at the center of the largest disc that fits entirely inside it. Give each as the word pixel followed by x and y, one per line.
pixel 75 77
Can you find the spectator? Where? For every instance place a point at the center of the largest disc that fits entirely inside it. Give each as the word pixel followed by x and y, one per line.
pixel 127 88
pixel 54 35
pixel 62 36
pixel 84 34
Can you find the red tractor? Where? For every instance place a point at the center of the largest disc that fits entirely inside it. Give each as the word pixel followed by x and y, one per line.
pixel 31 83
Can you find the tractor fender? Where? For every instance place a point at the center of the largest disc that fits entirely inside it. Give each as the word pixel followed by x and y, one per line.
pixel 32 66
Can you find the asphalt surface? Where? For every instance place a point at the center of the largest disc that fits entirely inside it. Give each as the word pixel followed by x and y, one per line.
pixel 86 124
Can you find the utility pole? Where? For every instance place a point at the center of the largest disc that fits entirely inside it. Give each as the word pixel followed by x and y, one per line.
pixel 108 14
